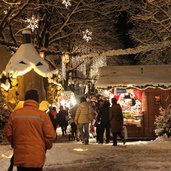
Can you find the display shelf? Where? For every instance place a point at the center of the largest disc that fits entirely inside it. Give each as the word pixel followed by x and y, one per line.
pixel 133 119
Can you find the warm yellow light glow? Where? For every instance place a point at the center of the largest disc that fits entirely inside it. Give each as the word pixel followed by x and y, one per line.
pixel 19 105
pixel 42 54
pixel 63 102
pixel 7 156
pixel 5 86
pixel 15 74
pixel 106 92
pixel 73 100
pixel 65 58
pixel 80 149
pixel 43 106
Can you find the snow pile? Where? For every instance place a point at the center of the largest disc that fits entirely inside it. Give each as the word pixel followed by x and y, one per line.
pixel 163 139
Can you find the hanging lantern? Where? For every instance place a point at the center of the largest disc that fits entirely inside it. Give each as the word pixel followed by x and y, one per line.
pixel 65 58
pixel 42 54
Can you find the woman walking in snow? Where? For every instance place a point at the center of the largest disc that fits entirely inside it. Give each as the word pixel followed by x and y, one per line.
pixel 116 121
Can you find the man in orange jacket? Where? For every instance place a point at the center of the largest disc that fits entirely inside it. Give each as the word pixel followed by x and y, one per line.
pixel 30 133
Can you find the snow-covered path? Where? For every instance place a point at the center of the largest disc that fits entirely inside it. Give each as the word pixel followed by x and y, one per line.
pixel 73 156
pixel 133 156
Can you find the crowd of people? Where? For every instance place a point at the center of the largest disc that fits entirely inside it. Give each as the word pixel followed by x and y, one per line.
pixel 100 118
pixel 31 131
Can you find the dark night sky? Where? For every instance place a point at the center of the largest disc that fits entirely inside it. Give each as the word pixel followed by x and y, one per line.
pixel 122 29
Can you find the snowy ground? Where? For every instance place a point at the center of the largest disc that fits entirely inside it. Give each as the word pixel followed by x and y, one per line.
pixel 73 156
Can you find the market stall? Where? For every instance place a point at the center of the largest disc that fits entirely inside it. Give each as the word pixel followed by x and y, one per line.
pixel 131 103
pixel 141 91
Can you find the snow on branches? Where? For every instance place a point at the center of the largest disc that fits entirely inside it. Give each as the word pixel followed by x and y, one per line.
pixel 163 122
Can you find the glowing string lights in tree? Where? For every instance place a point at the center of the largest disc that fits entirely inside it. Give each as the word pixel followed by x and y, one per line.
pixel 65 60
pixel 63 71
pixel 87 35
pixel 33 23
pixel 5 12
pixel 66 3
pixel 97 62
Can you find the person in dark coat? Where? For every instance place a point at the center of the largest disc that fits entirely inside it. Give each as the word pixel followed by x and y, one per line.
pixel 74 130
pixel 62 119
pixel 116 121
pixel 104 122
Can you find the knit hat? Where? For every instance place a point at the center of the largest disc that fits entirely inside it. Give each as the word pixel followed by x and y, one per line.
pixel 32 95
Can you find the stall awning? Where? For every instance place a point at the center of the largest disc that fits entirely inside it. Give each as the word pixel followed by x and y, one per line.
pixel 140 76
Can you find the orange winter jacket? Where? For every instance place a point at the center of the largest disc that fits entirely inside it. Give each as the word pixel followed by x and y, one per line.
pixel 30 133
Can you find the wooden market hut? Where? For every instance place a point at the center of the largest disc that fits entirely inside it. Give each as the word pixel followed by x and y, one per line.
pixel 29 69
pixel 154 82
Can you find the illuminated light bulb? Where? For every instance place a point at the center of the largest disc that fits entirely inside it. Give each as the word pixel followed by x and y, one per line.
pixel 5 12
pixel 42 54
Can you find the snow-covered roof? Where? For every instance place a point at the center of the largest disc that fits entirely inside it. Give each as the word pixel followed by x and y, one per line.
pixel 134 76
pixel 24 60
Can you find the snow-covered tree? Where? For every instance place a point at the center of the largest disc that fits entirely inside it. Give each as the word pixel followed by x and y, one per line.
pixel 151 25
pixel 163 122
pixel 149 30
pixel 57 29
pixel 60 29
